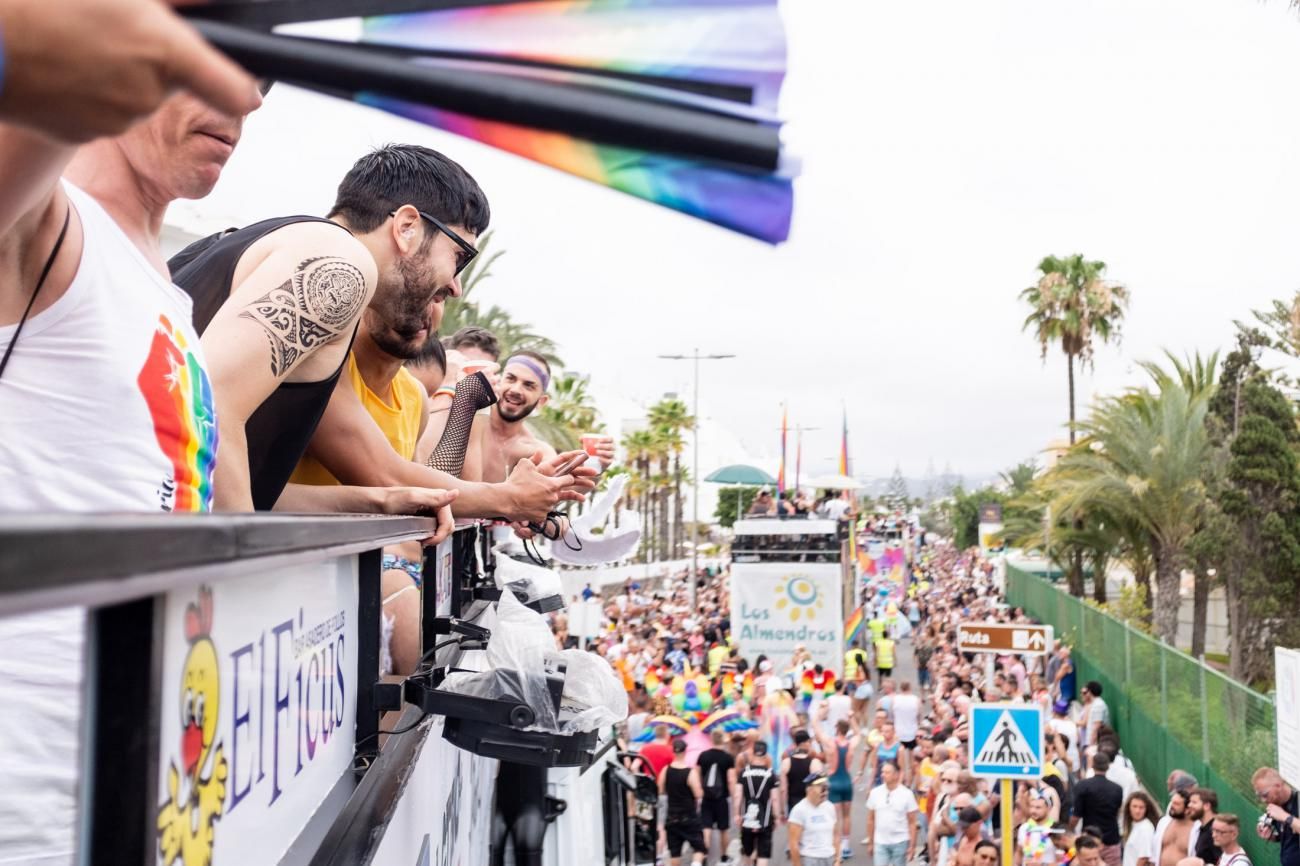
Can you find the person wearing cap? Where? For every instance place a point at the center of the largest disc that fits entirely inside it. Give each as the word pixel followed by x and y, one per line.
pixel 814 826
pixel 1061 723
pixel 756 807
pixel 970 832
pixel 679 782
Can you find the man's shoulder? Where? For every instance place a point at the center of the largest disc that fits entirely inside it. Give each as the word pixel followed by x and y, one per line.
pixel 317 239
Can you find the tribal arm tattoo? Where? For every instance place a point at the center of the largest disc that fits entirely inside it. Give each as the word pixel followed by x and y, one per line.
pixel 318 303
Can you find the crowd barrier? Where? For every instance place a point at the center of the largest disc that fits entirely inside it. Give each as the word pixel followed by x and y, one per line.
pixel 1171 711
pixel 231 705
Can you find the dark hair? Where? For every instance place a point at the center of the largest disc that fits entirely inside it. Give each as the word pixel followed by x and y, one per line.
pixel 1101 763
pixel 397 174
pixel 800 736
pixel 1208 796
pixel 431 354
pixel 969 815
pixel 1126 817
pixel 985 843
pixel 475 337
pixel 760 748
pixel 679 745
pixel 1086 841
pixel 1094 688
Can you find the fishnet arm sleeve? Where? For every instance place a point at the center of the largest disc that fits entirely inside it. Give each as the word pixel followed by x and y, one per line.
pixel 472 394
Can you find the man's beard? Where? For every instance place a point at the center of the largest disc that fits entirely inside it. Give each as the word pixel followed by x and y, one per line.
pixel 512 415
pixel 404 313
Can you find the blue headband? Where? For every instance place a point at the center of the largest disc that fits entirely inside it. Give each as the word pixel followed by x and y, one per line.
pixel 532 365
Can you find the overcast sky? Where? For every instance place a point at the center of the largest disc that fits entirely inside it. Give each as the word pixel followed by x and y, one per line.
pixel 946 147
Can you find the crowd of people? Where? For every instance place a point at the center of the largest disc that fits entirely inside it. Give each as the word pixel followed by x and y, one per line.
pixel 882 746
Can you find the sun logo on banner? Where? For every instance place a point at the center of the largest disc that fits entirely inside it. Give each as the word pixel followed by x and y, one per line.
pixel 799 597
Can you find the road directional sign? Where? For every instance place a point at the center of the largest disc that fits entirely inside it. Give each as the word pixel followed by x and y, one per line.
pixel 1006 741
pixel 986 637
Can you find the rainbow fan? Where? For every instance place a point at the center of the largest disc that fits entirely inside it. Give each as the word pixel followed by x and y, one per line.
pixel 671 101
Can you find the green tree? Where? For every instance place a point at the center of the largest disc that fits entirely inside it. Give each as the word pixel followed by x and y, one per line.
pixel 1072 304
pixel 1263 495
pixel 733 503
pixel 671 417
pixel 513 335
pixel 568 414
pixel 1141 460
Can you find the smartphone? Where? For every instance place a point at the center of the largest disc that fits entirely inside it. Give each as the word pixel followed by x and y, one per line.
pixel 572 464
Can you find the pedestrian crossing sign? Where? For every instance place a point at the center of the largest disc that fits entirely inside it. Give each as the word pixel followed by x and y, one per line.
pixel 1006 741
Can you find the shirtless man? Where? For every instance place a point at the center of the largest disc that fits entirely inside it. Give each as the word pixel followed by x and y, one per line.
pixel 1177 830
pixel 505 441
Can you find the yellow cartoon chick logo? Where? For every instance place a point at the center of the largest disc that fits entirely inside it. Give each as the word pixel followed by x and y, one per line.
pixel 798 597
pixel 197 799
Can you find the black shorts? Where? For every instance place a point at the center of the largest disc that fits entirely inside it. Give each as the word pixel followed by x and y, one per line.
pixel 909 744
pixel 884 672
pixel 715 813
pixel 686 832
pixel 760 839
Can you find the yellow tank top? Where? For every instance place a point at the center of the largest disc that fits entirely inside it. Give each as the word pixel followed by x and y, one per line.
pixel 400 421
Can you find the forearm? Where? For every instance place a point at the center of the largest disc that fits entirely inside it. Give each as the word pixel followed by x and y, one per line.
pixel 330 498
pixel 231 487
pixel 476 499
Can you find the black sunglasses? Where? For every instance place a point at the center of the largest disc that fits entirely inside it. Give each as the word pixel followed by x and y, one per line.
pixel 468 251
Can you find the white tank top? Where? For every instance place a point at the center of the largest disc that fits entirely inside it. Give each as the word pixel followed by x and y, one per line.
pixel 105 404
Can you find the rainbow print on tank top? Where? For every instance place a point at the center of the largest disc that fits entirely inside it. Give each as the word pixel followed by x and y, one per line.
pixel 175 387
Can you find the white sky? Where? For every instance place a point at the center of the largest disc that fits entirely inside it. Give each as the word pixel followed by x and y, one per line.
pixel 947 147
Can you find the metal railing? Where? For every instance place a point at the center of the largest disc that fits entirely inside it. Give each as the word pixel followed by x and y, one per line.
pixel 134 575
pixel 1170 710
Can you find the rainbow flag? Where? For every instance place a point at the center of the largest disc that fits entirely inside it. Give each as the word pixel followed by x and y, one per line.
pixel 853 625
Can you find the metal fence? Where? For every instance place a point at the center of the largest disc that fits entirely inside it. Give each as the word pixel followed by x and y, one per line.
pixel 1170 710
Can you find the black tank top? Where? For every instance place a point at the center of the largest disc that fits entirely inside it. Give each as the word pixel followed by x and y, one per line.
pixel 681 799
pixel 800 767
pixel 279 430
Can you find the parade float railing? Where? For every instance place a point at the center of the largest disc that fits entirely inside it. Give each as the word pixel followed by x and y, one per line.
pixel 231 701
pixel 1171 711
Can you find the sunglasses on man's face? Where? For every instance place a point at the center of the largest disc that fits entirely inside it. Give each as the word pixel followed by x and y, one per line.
pixel 467 250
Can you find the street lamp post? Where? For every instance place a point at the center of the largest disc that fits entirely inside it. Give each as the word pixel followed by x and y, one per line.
pixel 695 472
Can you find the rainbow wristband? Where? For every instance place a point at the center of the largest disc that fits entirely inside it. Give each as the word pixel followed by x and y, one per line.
pixel 445 392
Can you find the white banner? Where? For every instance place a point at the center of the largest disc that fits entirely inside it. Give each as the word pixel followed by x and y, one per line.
pixel 1288 714
pixel 775 606
pixel 259 685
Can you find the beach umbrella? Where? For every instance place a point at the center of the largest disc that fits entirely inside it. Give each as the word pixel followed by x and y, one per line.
pixel 741 475
pixel 673 101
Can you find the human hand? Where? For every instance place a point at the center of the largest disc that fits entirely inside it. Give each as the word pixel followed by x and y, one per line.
pixel 1277 813
pixel 82 69
pixel 583 477
pixel 533 494
pixel 423 502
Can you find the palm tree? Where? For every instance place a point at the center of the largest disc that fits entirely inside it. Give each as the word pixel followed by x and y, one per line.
pixel 1141 460
pixel 1071 304
pixel 513 335
pixel 672 417
pixel 638 446
pixel 568 414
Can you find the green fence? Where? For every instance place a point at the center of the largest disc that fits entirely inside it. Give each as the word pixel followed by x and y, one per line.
pixel 1170 710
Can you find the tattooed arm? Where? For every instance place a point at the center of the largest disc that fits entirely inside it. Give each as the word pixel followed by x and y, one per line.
pixel 289 317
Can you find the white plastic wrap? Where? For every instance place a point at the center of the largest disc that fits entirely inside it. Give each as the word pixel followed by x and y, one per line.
pixel 533 581
pixel 521 655
pixel 593 694
pixel 517 663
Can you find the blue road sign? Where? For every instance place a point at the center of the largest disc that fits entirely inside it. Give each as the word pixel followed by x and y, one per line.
pixel 1006 741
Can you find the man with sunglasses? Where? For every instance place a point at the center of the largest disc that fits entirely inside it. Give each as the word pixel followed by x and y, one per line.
pixel 1281 819
pixel 278 304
